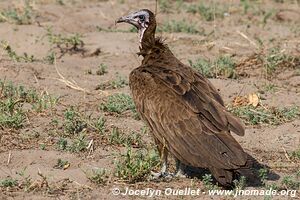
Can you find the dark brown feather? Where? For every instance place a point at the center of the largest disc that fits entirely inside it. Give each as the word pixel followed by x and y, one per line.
pixel 185 111
pixel 193 123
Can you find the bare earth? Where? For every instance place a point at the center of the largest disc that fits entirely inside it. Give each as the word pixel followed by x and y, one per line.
pixel 32 148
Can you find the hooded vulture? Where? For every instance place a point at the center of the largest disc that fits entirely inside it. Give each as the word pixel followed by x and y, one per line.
pixel 183 109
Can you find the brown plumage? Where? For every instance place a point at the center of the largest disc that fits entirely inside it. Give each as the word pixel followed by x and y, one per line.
pixel 183 109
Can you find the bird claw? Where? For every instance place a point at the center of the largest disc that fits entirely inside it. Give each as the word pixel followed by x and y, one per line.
pixel 161 175
pixel 180 174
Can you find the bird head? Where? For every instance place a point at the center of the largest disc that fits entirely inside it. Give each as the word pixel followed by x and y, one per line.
pixel 143 20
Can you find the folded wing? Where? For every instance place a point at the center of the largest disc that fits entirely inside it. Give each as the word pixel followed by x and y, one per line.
pixel 184 110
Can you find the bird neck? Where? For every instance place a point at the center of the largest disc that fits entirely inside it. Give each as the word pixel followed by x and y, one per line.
pixel 158 51
pixel 147 40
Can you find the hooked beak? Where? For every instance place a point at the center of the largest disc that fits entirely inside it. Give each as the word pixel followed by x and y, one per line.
pixel 128 19
pixel 122 19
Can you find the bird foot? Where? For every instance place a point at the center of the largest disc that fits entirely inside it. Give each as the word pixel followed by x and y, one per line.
pixel 161 175
pixel 180 174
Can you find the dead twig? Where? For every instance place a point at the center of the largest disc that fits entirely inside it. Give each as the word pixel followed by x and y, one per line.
pixel 70 84
pixel 248 39
pixel 3 17
pixel 9 158
pixel 90 147
pixel 44 181
pixel 83 186
pixel 287 155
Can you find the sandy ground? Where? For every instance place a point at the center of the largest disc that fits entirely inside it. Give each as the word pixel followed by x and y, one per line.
pixel 235 34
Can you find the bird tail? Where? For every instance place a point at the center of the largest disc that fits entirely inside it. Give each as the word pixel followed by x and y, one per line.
pixel 226 176
pixel 223 176
pixel 249 172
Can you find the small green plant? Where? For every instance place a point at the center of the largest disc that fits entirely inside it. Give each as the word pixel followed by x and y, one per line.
pixel 66 44
pixel 208 182
pixel 246 5
pixel 178 26
pixel 62 144
pixel 61 164
pixel 11 115
pixel 118 103
pixel 10 52
pixel 8 182
pixel 226 67
pixel 100 124
pixel 263 174
pixel 28 58
pixel 79 144
pixel 276 59
pixel 203 66
pixel 295 154
pixel 14 56
pixel 209 12
pixel 135 140
pixel 267 16
pixel 98 176
pixel 273 60
pixel 50 58
pixel 12 100
pixel 273 186
pixel 165 6
pixel 102 69
pixel 60 2
pixel 117 83
pixel 223 66
pixel 42 146
pixel 73 123
pixel 263 115
pixel 117 137
pixel 240 184
pixel 21 16
pixel 271 87
pixel 179 5
pixel 134 166
pixel 287 114
pixel 289 182
pixel 43 102
pixel 130 30
pixel 26 181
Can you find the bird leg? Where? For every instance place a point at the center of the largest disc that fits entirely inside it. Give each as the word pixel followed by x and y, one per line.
pixel 180 169
pixel 164 163
pixel 163 171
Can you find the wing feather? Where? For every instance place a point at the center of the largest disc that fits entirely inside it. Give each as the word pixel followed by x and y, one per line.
pixel 199 94
pixel 187 112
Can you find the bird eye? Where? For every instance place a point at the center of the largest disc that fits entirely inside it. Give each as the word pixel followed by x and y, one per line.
pixel 142 17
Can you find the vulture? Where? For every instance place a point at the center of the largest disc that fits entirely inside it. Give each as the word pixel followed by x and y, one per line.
pixel 184 111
